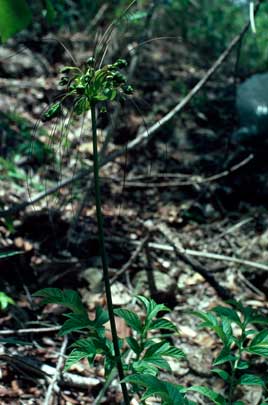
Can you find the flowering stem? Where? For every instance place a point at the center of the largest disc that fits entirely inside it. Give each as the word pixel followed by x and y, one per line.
pixel 104 256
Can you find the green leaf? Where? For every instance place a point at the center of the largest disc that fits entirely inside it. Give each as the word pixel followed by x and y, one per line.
pixel 163 324
pixel 73 358
pixel 5 300
pixel 163 349
pixel 259 344
pixel 229 313
pixel 76 321
pixel 250 379
pixel 67 298
pixel 169 393
pixel 227 335
pixel 242 365
pixel 152 309
pixel 67 69
pixel 13 341
pixel 50 11
pixel 131 319
pixel 224 356
pixel 109 365
pixel 101 317
pixel 138 15
pixel 222 374
pixel 152 363
pixel 144 367
pixel 215 397
pixel 210 320
pixel 83 348
pixel 134 345
pixel 15 15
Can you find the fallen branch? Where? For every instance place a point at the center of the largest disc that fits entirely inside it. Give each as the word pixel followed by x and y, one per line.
pixel 208 255
pixel 35 368
pixel 9 332
pixel 131 260
pixel 49 398
pixel 193 181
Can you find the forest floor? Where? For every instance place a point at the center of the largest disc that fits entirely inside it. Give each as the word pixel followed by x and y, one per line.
pixel 187 193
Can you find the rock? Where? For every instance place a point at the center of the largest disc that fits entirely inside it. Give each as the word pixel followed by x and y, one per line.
pixel 252 110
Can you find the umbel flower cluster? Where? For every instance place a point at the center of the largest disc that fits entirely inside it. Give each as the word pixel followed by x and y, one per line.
pixel 88 85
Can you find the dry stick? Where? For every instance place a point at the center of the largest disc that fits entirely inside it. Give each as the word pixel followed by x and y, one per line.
pixel 146 135
pixel 150 272
pixel 97 18
pixel 8 332
pixel 196 180
pixel 172 239
pixel 208 255
pixel 49 394
pixel 233 228
pixel 36 368
pixel 131 260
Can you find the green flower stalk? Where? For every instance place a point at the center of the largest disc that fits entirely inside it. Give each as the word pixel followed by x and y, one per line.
pixel 89 87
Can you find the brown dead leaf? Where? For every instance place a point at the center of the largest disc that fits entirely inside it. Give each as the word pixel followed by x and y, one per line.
pixel 123 330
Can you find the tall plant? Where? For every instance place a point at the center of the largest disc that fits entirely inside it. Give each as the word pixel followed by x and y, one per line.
pixel 88 87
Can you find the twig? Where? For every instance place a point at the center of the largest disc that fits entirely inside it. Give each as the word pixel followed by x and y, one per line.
pixel 233 228
pixel 173 240
pixel 131 260
pixel 49 394
pixel 9 332
pixel 150 272
pixel 250 286
pixel 194 180
pixel 41 370
pixel 106 385
pixel 208 255
pixel 144 136
pixel 97 17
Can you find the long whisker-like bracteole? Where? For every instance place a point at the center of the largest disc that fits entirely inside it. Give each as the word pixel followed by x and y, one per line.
pixel 101 48
pixel 148 41
pixel 137 108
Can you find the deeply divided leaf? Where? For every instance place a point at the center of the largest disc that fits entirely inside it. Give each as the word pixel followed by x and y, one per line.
pixel 68 298
pixel 259 344
pixel 215 397
pixel 131 319
pixel 169 393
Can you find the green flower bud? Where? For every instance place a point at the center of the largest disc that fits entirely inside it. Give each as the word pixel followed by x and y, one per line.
pixel 103 110
pixel 127 89
pixel 118 78
pixel 87 79
pixel 91 61
pixel 120 63
pixel 53 111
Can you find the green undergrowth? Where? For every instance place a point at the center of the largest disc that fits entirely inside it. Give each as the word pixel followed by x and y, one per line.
pixel 145 353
